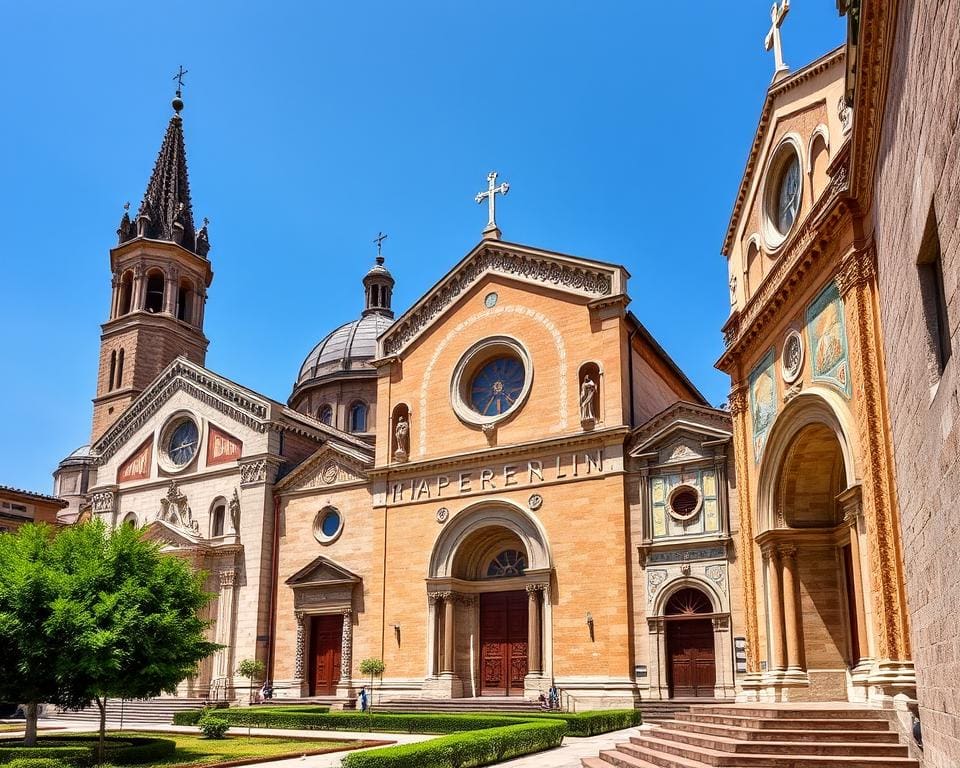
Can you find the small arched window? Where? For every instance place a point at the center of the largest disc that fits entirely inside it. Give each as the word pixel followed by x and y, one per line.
pixel 119 379
pixel 113 369
pixel 510 562
pixel 325 414
pixel 131 520
pixel 184 301
pixel 358 417
pixel 688 602
pixel 154 298
pixel 126 292
pixel 217 519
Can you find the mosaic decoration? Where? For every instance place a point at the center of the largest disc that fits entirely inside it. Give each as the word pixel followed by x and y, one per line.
pixel 763 403
pixel 827 340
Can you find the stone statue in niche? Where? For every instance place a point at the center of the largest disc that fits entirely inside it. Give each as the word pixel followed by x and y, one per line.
pixel 175 510
pixel 235 511
pixel 402 439
pixel 588 392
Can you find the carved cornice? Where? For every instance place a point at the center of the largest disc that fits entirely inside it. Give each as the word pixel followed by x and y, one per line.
pixel 589 279
pixel 858 269
pixel 738 399
pixel 799 259
pixel 182 376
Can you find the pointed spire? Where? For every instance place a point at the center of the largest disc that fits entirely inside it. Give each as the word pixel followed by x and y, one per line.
pixel 166 212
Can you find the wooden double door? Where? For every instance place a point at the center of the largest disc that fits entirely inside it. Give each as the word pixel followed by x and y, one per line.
pixel 692 660
pixel 326 634
pixel 503 643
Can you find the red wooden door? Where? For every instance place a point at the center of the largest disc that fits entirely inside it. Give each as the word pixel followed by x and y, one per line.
pixel 503 643
pixel 693 670
pixel 325 637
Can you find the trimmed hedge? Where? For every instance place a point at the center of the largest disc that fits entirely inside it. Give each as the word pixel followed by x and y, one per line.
pixel 310 719
pixel 592 722
pixel 37 762
pixel 82 750
pixel 465 750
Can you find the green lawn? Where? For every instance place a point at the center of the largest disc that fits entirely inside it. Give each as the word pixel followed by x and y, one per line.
pixel 193 749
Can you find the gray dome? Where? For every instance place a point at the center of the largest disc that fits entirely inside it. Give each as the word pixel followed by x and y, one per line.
pixel 352 345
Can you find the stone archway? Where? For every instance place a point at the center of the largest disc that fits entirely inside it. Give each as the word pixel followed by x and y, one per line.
pixel 488 590
pixel 809 506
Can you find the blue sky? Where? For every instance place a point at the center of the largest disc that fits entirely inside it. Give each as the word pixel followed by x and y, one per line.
pixel 622 128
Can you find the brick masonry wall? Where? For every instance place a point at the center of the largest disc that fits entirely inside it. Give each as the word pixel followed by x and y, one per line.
pixel 919 164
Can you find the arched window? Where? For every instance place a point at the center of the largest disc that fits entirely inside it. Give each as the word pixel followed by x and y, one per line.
pixel 154 299
pixel 358 417
pixel 688 602
pixel 325 414
pixel 131 520
pixel 119 379
pixel 126 292
pixel 217 518
pixel 113 369
pixel 184 302
pixel 754 267
pixel 510 562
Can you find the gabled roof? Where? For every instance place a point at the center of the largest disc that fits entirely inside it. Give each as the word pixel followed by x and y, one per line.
pixel 682 416
pixel 322 572
pixel 662 354
pixel 587 278
pixel 243 405
pixel 331 464
pixel 773 93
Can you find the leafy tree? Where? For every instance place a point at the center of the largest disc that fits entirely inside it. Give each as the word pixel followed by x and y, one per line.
pixel 31 649
pixel 250 669
pixel 375 668
pixel 128 616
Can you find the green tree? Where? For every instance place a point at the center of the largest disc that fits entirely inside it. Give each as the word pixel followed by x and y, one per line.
pixel 128 616
pixel 31 582
pixel 375 668
pixel 250 669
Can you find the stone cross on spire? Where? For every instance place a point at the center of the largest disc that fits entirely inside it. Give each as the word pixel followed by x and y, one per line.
pixel 772 40
pixel 491 231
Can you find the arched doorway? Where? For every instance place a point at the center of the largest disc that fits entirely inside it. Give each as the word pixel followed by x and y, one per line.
pixel 816 630
pixel 691 666
pixel 488 591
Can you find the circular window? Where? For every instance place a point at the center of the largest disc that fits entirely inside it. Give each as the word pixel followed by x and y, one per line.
pixel 179 442
pixel 491 381
pixel 684 502
pixel 791 360
pixel 327 525
pixel 783 188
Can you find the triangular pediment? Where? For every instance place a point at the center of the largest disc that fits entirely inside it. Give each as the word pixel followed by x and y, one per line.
pixel 332 465
pixel 169 536
pixel 237 403
pixel 322 572
pixel 584 278
pixel 680 432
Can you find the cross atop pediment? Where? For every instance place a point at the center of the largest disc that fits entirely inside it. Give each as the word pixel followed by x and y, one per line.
pixel 772 40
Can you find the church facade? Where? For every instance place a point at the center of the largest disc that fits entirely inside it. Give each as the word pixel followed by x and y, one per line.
pixel 508 487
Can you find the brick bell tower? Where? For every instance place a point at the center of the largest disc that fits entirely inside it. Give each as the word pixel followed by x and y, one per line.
pixel 160 278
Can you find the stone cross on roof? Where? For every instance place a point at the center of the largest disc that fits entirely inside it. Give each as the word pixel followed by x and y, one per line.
pixel 772 40
pixel 491 229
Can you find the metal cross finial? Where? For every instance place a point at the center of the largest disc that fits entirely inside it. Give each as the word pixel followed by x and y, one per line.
pixel 379 241
pixel 772 40
pixel 490 196
pixel 179 78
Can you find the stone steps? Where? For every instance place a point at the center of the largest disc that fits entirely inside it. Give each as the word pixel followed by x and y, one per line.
pixel 739 736
pixel 159 710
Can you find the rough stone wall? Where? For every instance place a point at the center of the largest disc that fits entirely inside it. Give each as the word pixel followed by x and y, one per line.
pixel 919 165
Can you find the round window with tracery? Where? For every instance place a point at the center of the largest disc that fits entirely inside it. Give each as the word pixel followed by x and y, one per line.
pixel 508 563
pixel 684 502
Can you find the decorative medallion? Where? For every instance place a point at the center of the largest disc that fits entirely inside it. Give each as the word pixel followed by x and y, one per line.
pixel 791 358
pixel 329 472
pixel 535 501
pixel 490 300
pixel 442 515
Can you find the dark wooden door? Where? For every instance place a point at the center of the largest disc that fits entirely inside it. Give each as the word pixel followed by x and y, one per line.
pixel 503 643
pixel 325 637
pixel 693 669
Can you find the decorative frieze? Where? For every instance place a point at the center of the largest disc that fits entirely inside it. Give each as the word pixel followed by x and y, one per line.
pixel 253 472
pixel 103 501
pixel 298 657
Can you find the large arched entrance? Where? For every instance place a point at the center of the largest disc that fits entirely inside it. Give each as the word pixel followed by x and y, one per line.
pixel 691 655
pixel 489 598
pixel 816 628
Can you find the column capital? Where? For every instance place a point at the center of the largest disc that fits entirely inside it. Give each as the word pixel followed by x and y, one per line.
pixel 532 588
pixel 787 551
pixel 737 399
pixel 347 611
pixel 299 616
pixel 227 577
